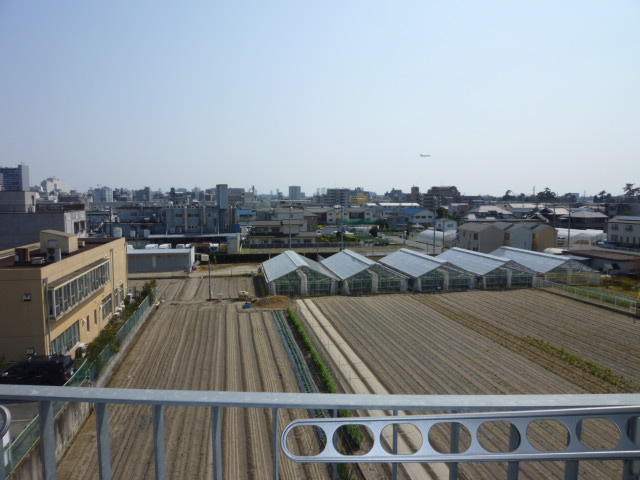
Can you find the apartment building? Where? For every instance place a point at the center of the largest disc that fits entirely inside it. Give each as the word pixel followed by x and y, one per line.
pixel 624 231
pixel 60 293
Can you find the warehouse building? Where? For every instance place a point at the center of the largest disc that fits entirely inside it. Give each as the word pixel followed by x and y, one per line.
pixel 556 268
pixel 428 274
pixel 491 272
pixel 361 276
pixel 294 275
pixel 153 258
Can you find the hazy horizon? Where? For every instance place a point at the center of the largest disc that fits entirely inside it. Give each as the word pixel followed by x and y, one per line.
pixel 502 95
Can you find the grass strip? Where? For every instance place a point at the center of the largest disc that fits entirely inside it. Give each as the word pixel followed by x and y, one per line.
pixel 354 432
pixel 583 364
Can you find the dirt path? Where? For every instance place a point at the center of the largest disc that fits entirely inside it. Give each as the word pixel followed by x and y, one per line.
pixel 193 344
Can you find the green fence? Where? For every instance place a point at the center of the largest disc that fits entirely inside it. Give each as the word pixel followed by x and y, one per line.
pixel 591 295
pixel 28 438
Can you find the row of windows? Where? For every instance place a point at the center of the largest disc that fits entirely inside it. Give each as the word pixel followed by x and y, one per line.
pixel 66 340
pixel 67 296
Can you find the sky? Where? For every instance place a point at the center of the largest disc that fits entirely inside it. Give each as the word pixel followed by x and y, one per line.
pixel 504 95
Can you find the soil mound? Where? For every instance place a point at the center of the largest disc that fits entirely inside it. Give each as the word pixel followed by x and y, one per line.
pixel 277 301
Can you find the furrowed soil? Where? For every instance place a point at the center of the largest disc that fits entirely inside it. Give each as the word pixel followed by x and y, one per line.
pixel 192 344
pixel 474 343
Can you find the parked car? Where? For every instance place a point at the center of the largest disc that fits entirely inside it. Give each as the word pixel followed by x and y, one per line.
pixel 40 370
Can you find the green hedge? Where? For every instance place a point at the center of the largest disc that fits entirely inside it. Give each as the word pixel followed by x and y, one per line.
pixel 355 433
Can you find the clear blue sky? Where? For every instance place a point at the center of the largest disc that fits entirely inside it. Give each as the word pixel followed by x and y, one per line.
pixel 502 94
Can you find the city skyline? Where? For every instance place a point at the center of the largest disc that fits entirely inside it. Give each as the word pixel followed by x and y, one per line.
pixel 502 96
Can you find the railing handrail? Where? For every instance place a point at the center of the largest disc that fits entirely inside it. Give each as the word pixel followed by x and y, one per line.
pixel 312 400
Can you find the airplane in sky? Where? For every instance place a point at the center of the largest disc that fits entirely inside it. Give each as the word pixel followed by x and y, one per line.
pixel 424 155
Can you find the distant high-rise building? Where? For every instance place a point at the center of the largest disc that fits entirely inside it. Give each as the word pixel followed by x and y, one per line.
pixel 222 196
pixel 103 195
pixel 295 193
pixel 338 196
pixel 15 179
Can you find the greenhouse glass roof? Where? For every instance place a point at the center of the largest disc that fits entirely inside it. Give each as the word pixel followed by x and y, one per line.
pixel 536 261
pixel 346 263
pixel 411 262
pixel 475 262
pixel 288 262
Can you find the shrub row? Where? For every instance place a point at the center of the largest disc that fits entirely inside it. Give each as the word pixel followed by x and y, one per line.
pixel 583 364
pixel 355 433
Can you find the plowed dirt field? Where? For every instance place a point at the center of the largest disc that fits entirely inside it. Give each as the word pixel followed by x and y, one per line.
pixel 474 343
pixel 192 344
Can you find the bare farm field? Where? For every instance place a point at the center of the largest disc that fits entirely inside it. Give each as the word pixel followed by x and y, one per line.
pixel 192 344
pixel 476 343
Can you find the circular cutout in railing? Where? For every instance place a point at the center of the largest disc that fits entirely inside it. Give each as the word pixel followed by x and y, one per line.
pixel 441 434
pixel 306 440
pixel 498 437
pixel 353 440
pixel 409 438
pixel 548 435
pixel 598 433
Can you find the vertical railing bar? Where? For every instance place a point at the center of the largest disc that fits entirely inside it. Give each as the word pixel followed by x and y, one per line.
pixel 159 444
pixel 334 468
pixel 104 441
pixel 394 466
pixel 572 467
pixel 47 431
pixel 513 468
pixel 216 440
pixel 454 446
pixel 631 466
pixel 276 444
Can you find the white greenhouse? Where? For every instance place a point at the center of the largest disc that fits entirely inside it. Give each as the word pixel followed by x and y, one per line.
pixel 426 273
pixel 555 268
pixel 294 275
pixel 492 272
pixel 361 276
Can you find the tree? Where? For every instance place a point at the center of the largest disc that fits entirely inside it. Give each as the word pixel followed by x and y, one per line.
pixel 546 196
pixel 507 196
pixel 373 231
pixel 383 224
pixel 631 192
pixel 569 197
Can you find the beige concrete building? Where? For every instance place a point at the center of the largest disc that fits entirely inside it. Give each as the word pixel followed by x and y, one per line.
pixel 59 293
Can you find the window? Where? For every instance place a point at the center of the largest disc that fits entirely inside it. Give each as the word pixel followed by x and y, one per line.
pixel 63 298
pixel 66 340
pixel 107 307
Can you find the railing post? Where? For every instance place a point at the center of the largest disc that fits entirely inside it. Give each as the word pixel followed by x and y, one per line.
pixel 513 468
pixel 104 442
pixel 159 442
pixel 216 437
pixel 276 444
pixel 334 467
pixel 394 467
pixel 572 467
pixel 454 447
pixel 47 431
pixel 632 467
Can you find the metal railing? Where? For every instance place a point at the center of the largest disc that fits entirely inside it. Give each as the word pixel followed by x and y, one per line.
pixel 622 410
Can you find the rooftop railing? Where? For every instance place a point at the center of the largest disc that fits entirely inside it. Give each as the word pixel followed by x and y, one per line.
pixel 519 412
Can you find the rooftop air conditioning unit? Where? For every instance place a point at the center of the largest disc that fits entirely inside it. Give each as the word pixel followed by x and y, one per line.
pixel 54 254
